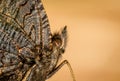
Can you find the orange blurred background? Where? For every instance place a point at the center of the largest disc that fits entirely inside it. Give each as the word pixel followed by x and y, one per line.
pixel 93 48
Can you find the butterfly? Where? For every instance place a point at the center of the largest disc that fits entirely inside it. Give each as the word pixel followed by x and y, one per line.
pixel 28 49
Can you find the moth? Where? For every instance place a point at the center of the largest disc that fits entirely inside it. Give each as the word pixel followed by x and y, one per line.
pixel 28 49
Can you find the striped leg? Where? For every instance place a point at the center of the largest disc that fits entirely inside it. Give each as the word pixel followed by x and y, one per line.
pixel 59 67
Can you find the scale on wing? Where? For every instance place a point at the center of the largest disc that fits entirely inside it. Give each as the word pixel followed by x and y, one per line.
pixel 31 16
pixel 23 23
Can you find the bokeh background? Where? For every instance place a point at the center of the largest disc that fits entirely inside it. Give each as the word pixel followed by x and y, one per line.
pixel 93 48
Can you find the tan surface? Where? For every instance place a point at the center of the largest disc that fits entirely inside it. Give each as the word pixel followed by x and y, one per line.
pixel 94 37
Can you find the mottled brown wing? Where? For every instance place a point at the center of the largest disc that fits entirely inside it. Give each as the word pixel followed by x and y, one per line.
pixel 23 23
pixel 12 38
pixel 30 16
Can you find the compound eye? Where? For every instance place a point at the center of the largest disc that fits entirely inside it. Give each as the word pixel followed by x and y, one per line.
pixel 56 40
pixel 57 43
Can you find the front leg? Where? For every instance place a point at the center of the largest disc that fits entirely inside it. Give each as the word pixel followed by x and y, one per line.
pixel 59 67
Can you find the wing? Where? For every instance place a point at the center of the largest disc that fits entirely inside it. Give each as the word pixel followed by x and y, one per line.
pixel 12 38
pixel 31 17
pixel 23 23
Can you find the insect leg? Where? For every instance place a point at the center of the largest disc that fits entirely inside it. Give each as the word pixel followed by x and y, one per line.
pixel 59 67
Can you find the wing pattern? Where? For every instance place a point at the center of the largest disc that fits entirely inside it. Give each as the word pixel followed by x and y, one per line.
pixel 23 23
